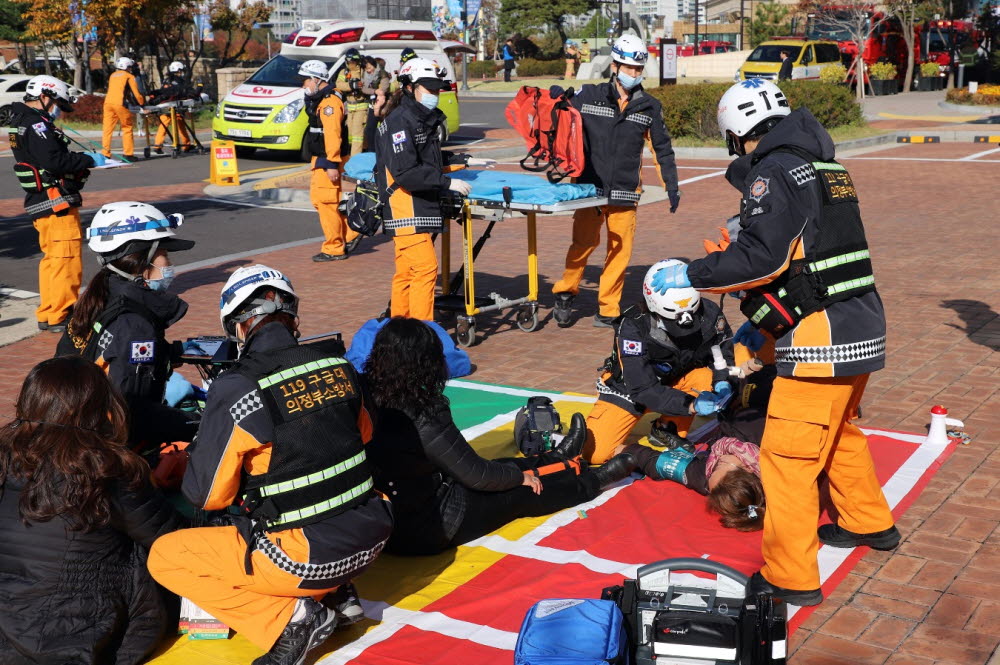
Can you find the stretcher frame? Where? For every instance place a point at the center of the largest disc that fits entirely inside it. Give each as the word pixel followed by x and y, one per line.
pixel 471 306
pixel 172 126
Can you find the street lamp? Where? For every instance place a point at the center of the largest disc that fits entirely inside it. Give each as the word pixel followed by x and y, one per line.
pixel 465 38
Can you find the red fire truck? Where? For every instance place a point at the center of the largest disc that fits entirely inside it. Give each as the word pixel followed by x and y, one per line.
pixel 885 41
pixel 940 39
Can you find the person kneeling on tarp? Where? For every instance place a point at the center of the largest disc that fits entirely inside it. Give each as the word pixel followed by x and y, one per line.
pixel 444 494
pixel 662 362
pixel 283 435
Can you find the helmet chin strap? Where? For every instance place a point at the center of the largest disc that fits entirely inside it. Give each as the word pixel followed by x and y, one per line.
pixel 136 278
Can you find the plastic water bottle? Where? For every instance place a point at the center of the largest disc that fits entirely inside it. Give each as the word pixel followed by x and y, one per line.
pixel 938 433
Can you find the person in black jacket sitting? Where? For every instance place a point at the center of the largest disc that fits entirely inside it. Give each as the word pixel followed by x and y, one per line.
pixel 443 493
pixel 77 514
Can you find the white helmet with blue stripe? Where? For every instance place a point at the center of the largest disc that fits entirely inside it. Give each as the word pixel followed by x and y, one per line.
pixel 244 296
pixel 128 227
pixel 629 49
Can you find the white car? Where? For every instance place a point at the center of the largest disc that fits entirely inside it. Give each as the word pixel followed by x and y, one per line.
pixel 12 87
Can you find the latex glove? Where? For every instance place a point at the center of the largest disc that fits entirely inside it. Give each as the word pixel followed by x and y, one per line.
pixel 460 186
pixel 671 277
pixel 749 337
pixel 178 389
pixel 675 199
pixel 99 159
pixel 481 162
pixel 723 389
pixel 720 246
pixel 706 403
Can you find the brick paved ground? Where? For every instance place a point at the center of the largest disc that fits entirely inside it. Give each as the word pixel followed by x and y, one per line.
pixel 930 225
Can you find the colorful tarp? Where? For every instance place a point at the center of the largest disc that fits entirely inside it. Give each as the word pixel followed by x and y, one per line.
pixel 465 606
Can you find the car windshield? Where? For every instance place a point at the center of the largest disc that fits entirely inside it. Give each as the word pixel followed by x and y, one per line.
pixel 281 70
pixel 772 53
pixel 833 28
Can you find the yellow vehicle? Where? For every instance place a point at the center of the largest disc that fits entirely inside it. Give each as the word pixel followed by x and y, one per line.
pixel 808 56
pixel 266 111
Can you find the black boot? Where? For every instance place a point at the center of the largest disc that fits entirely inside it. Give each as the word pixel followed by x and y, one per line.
pixel 616 468
pixel 572 443
pixel 300 637
pixel 808 598
pixel 835 536
pixel 562 312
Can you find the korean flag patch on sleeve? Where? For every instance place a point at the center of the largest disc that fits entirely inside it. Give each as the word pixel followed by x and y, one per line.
pixel 631 347
pixel 142 353
pixel 399 137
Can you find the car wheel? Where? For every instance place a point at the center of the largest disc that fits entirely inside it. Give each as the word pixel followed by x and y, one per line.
pixel 442 134
pixel 245 151
pixel 6 114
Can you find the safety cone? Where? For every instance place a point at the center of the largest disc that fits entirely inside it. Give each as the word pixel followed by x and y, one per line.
pixel 938 433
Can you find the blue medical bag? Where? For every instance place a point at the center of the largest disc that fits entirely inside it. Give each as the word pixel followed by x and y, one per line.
pixel 573 631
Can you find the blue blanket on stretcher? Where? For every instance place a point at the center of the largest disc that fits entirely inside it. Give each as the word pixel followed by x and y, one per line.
pixel 488 185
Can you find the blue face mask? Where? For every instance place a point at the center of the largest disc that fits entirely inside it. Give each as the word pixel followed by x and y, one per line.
pixel 55 112
pixel 164 283
pixel 629 82
pixel 429 100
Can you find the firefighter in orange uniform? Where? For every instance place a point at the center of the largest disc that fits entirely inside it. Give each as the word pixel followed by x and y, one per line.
pixel 52 178
pixel 409 172
pixel 619 117
pixel 283 435
pixel 325 139
pixel 123 91
pixel 802 259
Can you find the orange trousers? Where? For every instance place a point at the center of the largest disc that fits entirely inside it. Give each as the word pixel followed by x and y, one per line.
pixel 60 272
pixel 205 565
pixel 587 223
pixel 113 116
pixel 181 140
pixel 608 425
pixel 325 197
pixel 808 432
pixel 415 278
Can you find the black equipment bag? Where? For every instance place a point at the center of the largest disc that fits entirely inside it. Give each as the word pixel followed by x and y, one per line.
pixel 363 209
pixel 534 425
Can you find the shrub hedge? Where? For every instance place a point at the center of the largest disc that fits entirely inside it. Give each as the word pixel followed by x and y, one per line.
pixel 529 67
pixel 987 95
pixel 488 68
pixel 88 108
pixel 690 110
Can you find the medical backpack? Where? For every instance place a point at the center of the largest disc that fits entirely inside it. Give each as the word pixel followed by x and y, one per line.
pixel 573 631
pixel 552 128
pixel 674 616
pixel 363 209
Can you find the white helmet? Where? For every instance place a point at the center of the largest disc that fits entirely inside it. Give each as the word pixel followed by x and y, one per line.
pixel 629 49
pixel 315 69
pixel 749 107
pixel 678 304
pixel 242 299
pixel 124 63
pixel 175 66
pixel 52 87
pixel 422 71
pixel 129 227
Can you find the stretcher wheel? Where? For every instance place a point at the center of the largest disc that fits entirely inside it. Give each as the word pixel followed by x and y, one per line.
pixel 465 331
pixel 146 152
pixel 175 153
pixel 527 318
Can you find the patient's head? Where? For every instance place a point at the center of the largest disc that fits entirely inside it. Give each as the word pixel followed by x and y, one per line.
pixel 406 369
pixel 738 498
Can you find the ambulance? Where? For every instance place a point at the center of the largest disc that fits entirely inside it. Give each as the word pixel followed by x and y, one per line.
pixel 266 111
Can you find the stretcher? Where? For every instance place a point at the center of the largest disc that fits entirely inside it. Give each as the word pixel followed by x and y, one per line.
pixel 467 305
pixel 171 116
pixel 494 197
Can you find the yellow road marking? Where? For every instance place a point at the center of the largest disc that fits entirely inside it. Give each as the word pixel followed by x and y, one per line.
pixel 932 118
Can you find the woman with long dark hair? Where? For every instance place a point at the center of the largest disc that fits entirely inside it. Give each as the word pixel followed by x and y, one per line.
pixel 77 514
pixel 120 322
pixel 443 493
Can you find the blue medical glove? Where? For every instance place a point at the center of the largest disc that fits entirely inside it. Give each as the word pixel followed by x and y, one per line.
pixel 178 389
pixel 749 337
pixel 675 199
pixel 99 159
pixel 671 277
pixel 706 403
pixel 723 389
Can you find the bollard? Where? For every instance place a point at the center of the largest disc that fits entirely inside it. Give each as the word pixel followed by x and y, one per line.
pixel 959 82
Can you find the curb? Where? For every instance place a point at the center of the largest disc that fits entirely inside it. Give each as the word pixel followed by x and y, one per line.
pixel 487 95
pixel 971 108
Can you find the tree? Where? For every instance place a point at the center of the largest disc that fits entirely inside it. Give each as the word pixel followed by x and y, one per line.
pixel 770 20
pixel 910 13
pixel 238 25
pixel 14 26
pixel 530 16
pixel 858 20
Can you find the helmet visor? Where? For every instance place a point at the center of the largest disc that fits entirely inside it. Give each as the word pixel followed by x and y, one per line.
pixel 171 222
pixel 638 56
